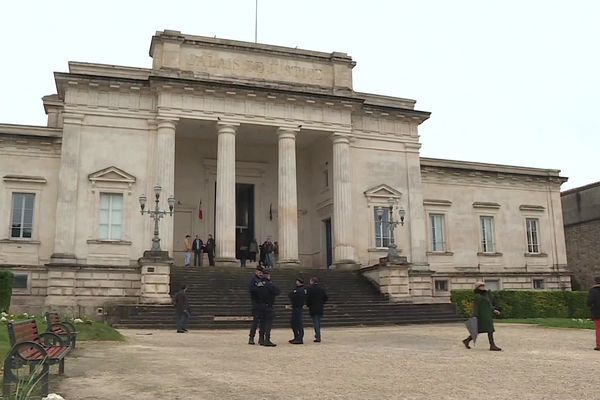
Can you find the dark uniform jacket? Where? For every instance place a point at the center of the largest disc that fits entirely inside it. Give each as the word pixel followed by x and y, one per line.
pixel 483 309
pixel 316 299
pixel 252 288
pixel 266 292
pixel 298 297
pixel 594 301
pixel 210 246
pixel 181 302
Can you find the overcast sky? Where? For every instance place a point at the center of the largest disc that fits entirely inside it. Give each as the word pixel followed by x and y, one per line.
pixel 508 82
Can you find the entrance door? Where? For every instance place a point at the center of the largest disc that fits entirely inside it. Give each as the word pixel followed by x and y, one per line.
pixel 328 242
pixel 244 215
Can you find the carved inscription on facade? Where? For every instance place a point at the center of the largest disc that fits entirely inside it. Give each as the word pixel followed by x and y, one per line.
pixel 267 68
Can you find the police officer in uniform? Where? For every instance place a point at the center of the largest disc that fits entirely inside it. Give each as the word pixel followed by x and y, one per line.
pixel 266 293
pixel 256 279
pixel 298 299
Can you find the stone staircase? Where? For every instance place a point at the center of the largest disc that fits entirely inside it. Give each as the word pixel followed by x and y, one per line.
pixel 219 299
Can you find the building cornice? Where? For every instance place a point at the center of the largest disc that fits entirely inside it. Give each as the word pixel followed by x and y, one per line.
pixel 30 131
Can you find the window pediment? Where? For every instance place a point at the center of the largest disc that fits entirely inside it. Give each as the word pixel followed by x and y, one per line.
pixel 112 175
pixel 382 192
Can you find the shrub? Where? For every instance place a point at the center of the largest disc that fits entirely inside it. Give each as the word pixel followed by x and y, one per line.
pixel 529 304
pixel 6 281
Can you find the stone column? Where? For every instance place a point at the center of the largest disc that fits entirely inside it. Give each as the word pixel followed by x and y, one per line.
pixel 165 176
pixel 225 198
pixel 416 221
pixel 343 229
pixel 66 203
pixel 287 209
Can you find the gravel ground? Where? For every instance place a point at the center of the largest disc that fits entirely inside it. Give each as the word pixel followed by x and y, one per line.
pixel 404 362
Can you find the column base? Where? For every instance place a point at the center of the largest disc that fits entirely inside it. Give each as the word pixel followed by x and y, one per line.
pixel 288 263
pixel 227 262
pixel 346 265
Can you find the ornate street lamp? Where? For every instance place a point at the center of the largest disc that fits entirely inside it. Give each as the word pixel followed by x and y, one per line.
pixel 156 214
pixel 393 255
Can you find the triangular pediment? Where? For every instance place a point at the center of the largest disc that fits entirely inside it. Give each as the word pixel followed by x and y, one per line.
pixel 383 191
pixel 112 174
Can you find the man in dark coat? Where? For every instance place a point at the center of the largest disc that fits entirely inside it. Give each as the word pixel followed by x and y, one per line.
pixel 484 310
pixel 594 303
pixel 210 250
pixel 197 248
pixel 316 297
pixel 266 293
pixel 256 279
pixel 182 310
pixel 297 299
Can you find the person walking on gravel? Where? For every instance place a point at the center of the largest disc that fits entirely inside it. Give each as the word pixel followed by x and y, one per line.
pixel 594 303
pixel 484 310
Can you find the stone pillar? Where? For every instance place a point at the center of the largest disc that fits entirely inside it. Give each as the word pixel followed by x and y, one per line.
pixel 66 203
pixel 165 176
pixel 416 221
pixel 287 209
pixel 343 232
pixel 225 198
pixel 155 280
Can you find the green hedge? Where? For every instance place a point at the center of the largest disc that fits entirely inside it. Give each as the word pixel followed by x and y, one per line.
pixel 6 282
pixel 529 304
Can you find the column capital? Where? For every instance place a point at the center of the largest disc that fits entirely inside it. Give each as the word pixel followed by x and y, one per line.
pixel 339 137
pixel 167 122
pixel 285 132
pixel 227 127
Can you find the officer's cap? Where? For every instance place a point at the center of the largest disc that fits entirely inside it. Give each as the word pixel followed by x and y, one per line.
pixel 300 280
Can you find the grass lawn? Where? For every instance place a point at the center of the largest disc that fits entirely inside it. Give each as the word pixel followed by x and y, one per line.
pixel 552 322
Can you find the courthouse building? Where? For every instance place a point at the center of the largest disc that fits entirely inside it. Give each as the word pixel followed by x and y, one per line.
pixel 256 141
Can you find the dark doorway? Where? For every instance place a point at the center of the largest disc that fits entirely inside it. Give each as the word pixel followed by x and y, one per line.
pixel 328 242
pixel 244 215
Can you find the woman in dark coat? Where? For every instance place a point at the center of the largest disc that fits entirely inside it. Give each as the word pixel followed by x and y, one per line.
pixel 484 310
pixel 594 303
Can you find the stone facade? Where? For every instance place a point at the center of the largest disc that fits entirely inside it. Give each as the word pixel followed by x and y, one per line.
pixel 321 164
pixel 581 210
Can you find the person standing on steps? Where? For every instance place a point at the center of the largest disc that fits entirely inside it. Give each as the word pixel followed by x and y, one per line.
pixel 266 294
pixel 316 297
pixel 298 300
pixel 252 250
pixel 252 288
pixel 197 248
pixel 187 248
pixel 269 255
pixel 210 250
pixel 182 310
pixel 594 304
pixel 484 310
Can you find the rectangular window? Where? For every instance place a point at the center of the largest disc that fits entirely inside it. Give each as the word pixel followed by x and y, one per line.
pixel 111 216
pixel 441 285
pixel 538 284
pixel 20 281
pixel 21 226
pixel 382 227
pixel 533 236
pixel 487 234
pixel 438 242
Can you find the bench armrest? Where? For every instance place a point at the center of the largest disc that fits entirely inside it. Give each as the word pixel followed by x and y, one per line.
pixel 51 339
pixel 17 350
pixel 70 326
pixel 66 328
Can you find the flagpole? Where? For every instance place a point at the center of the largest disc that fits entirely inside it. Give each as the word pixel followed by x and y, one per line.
pixel 256 22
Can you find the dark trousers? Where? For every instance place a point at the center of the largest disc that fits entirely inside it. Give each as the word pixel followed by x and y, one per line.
pixel 316 319
pixel 182 320
pixel 297 325
pixel 266 316
pixel 211 258
pixel 197 258
pixel 255 321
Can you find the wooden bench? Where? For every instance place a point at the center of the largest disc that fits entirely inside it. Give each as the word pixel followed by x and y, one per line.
pixel 29 347
pixel 64 329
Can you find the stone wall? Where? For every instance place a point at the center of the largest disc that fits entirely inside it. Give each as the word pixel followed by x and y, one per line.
pixel 583 252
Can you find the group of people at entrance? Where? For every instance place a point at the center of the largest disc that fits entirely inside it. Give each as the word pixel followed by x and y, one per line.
pixel 197 248
pixel 262 295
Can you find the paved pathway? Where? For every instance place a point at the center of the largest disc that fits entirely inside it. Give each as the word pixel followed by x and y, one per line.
pixel 404 362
